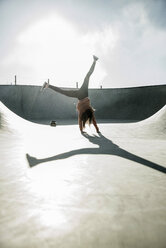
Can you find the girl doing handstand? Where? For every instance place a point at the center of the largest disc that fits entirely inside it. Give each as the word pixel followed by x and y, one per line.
pixel 84 108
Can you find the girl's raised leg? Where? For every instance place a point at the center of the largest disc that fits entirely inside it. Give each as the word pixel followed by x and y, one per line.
pixel 83 91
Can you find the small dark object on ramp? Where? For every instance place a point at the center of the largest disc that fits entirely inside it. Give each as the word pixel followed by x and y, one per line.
pixel 53 123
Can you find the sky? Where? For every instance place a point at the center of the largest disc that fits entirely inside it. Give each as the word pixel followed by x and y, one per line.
pixel 55 40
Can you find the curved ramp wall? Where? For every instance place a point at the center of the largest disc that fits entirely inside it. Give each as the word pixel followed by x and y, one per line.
pixel 135 103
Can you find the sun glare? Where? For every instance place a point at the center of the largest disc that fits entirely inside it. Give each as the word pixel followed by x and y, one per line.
pixel 53 48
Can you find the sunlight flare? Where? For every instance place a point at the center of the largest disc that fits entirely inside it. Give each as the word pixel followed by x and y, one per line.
pixel 53 48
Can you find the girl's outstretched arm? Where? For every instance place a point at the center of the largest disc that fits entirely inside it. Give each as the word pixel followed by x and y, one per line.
pixel 95 124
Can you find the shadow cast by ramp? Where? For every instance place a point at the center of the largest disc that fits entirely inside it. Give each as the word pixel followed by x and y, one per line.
pixel 105 146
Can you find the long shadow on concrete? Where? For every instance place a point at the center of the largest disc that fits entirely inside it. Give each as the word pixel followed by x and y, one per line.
pixel 106 147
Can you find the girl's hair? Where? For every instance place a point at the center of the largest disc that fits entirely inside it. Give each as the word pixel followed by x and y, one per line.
pixel 87 116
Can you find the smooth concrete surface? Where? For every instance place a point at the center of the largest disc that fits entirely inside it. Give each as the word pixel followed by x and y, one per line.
pixel 118 104
pixel 61 189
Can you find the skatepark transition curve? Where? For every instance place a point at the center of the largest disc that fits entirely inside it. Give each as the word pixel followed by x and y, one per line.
pixel 118 104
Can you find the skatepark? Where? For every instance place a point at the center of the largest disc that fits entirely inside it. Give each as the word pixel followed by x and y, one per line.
pixel 60 188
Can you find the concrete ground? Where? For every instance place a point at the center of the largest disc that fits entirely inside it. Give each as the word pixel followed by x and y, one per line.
pixel 59 188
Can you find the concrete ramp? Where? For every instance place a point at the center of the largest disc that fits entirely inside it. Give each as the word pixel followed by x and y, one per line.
pixel 158 119
pixel 154 126
pixel 10 120
pixel 121 104
pixel 60 189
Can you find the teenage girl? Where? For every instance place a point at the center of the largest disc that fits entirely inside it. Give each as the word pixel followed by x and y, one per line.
pixel 84 108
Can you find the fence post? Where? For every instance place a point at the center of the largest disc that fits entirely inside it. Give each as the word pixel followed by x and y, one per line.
pixel 15 79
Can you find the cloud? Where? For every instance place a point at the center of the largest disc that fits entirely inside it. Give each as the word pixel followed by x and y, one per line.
pixel 156 12
pixel 139 57
pixel 129 36
pixel 53 48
